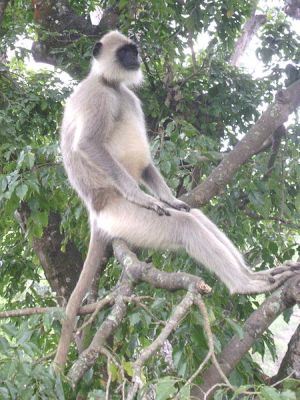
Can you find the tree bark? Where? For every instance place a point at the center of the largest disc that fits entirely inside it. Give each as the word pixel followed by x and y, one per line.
pixel 277 113
pixel 249 30
pixel 292 8
pixel 284 297
pixel 290 363
pixel 61 268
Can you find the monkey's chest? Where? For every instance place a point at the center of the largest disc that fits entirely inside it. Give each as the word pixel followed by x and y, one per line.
pixel 129 145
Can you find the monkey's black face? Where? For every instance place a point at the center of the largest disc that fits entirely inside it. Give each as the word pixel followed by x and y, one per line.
pixel 128 57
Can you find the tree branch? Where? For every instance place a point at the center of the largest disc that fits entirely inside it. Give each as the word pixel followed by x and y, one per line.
pixel 290 364
pixel 89 356
pixel 286 101
pixel 144 272
pixel 249 30
pixel 134 271
pixel 173 322
pixel 59 17
pixel 283 298
pixel 84 310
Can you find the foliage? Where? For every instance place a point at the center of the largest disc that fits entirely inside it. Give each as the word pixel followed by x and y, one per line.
pixel 191 110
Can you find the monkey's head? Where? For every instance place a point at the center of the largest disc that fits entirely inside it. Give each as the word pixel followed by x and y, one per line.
pixel 116 58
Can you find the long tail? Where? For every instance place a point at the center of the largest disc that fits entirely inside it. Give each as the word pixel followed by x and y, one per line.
pixel 96 253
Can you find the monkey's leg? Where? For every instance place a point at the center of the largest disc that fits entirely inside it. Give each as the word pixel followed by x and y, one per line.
pixel 144 228
pixel 96 252
pixel 260 281
pixel 203 219
pixel 193 232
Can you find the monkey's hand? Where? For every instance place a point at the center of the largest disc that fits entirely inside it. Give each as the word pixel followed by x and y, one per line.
pixel 157 206
pixel 177 205
pixel 151 203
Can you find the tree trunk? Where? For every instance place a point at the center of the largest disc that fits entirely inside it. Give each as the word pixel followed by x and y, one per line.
pixel 62 269
pixel 291 360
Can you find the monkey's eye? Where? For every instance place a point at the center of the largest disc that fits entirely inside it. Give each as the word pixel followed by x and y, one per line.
pixel 97 49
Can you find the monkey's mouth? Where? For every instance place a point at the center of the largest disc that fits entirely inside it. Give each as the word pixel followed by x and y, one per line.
pixel 133 66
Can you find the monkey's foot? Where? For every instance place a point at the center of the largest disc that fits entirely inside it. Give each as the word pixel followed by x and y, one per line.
pixel 271 279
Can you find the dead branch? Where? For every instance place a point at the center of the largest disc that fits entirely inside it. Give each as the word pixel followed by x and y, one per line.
pixel 89 356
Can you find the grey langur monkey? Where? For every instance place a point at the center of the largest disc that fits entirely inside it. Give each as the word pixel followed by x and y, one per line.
pixel 106 155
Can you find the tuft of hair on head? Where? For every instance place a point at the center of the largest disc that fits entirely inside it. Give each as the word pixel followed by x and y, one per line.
pixel 106 64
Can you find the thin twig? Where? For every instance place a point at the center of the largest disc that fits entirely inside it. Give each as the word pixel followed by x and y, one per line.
pixel 112 358
pixel 100 305
pixel 200 303
pixel 173 322
pixel 284 379
pixel 206 395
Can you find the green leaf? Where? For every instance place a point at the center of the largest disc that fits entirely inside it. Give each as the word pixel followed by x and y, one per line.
pixel 30 157
pixel 44 105
pixel 127 365
pixel 165 388
pixel 269 393
pixel 236 328
pixel 288 395
pixel 135 318
pixel 4 394
pixel 185 393
pixel 3 183
pixel 21 191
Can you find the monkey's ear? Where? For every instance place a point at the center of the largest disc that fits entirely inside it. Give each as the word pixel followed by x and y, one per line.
pixel 97 49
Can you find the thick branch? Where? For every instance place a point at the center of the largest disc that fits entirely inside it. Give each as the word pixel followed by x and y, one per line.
pixel 89 356
pixel 134 271
pixel 61 268
pixel 59 17
pixel 249 30
pixel 143 272
pixel 290 363
pixel 277 113
pixel 254 327
pixel 292 8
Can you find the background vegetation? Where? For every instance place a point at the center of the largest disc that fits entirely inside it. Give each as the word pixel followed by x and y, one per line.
pixel 198 103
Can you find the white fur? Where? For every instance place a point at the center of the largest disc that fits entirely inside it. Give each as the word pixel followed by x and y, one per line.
pixel 112 71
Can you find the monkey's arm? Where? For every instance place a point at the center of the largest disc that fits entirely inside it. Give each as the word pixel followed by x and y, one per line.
pixel 101 159
pixel 155 182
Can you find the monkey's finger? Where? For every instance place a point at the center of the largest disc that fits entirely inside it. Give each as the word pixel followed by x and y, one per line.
pixel 180 205
pixel 278 271
pixel 161 211
pixel 185 207
pixel 292 264
pixel 288 266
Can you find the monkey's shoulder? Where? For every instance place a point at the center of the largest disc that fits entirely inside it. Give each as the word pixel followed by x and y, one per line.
pixel 91 94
